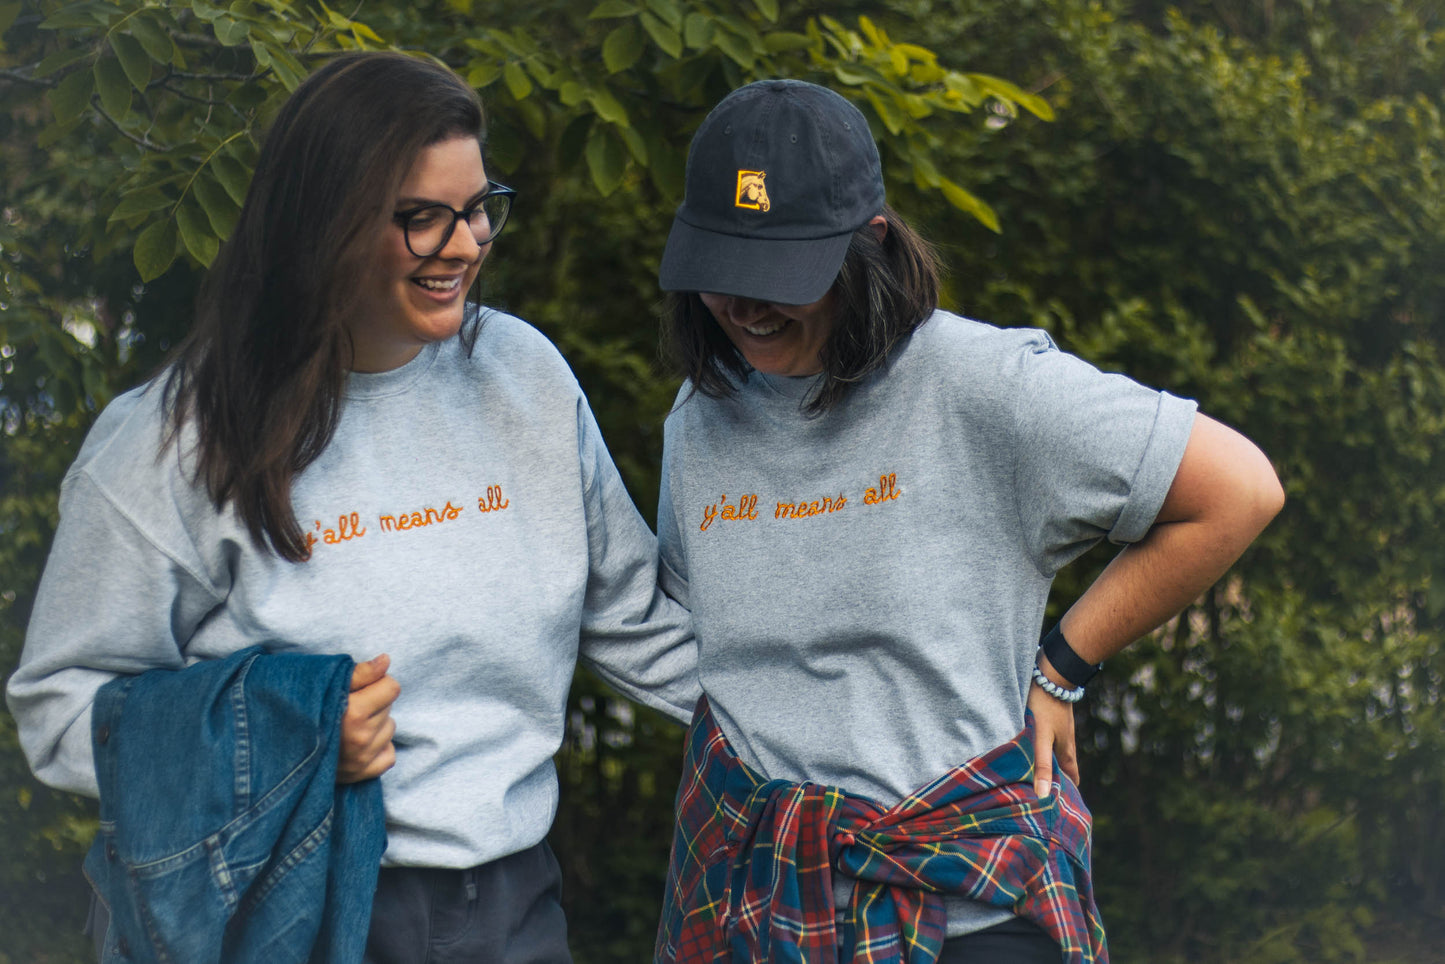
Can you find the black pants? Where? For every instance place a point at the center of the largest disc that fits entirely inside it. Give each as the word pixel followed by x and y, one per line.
pixel 1014 941
pixel 508 911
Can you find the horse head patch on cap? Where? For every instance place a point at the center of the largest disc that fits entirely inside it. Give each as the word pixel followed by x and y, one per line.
pixel 752 192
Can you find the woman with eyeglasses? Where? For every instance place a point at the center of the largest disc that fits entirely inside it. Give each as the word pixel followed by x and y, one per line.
pixel 345 456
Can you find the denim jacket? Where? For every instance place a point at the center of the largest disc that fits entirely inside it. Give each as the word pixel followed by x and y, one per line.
pixel 223 835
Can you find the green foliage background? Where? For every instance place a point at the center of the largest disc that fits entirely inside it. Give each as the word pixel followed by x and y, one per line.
pixel 1240 201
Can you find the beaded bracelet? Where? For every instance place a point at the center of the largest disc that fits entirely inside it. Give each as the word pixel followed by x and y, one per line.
pixel 1055 690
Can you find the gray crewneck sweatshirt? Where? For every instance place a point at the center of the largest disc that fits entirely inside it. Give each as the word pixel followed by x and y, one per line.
pixel 466 519
pixel 868 586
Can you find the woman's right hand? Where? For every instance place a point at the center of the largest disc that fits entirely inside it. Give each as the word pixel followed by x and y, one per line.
pixel 367 727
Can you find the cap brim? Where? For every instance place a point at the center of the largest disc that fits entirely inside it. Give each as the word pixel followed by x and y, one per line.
pixel 786 272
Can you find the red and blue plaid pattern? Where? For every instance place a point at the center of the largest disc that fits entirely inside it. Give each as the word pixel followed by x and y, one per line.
pixel 751 874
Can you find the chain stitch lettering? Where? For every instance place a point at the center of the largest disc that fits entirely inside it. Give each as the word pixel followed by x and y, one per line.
pixel 493 500
pixel 746 508
pixel 886 491
pixel 420 518
pixel 802 510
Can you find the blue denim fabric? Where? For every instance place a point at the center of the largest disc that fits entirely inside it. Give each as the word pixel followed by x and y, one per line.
pixel 223 835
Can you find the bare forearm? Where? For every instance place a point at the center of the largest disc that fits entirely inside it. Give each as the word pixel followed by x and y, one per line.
pixel 1145 586
pixel 1225 494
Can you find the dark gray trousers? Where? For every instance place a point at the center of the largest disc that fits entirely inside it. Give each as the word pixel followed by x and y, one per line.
pixel 504 912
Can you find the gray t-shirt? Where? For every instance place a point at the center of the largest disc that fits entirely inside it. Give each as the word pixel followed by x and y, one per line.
pixel 868 586
pixel 467 520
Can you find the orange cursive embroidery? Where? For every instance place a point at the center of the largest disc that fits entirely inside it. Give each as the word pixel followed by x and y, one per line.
pixel 493 501
pixel 425 517
pixel 747 508
pixel 348 527
pixel 887 489
pixel 802 510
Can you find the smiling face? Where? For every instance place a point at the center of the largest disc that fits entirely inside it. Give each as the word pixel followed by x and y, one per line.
pixel 412 301
pixel 775 339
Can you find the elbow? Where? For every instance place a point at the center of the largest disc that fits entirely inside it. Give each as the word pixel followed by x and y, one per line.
pixel 1263 497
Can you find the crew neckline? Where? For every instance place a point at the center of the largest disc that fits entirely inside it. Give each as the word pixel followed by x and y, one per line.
pixel 792 387
pixel 394 381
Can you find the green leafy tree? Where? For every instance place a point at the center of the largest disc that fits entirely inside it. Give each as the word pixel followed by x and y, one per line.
pixel 1241 202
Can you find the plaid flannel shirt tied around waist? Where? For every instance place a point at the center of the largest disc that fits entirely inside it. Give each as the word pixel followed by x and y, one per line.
pixel 750 878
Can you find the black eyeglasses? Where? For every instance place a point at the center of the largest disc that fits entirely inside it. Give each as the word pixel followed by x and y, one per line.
pixel 427 229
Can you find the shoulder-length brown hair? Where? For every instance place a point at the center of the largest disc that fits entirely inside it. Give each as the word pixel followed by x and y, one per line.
pixel 884 291
pixel 262 372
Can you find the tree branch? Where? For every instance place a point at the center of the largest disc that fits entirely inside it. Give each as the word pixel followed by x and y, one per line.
pixel 8 74
pixel 212 78
pixel 142 141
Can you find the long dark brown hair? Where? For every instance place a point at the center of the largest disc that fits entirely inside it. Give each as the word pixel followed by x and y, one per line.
pixel 262 372
pixel 884 291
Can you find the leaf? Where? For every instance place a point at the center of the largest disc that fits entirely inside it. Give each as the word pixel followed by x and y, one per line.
pixel 870 31
pixel 68 18
pixel 668 11
pixel 1004 90
pixel 635 144
pixel 768 8
pixel 662 35
pixel 925 172
pixel 232 175
pixel 113 87
pixel 732 45
pixel 288 69
pixel 8 13
pixel 220 209
pixel 534 117
pixel 622 48
pixel 571 93
pixel 155 249
pixel 697 31
pixel 152 37
pixel 363 32
pixel 72 95
pixel 962 89
pixel 517 80
pixel 196 233
pixel 140 202
pixel 612 8
pixel 885 110
pixel 231 32
pixel 260 52
pixel 207 11
pixel 965 201
pixel 607 106
pixel 133 59
pixel 63 57
pixel 606 159
pixel 781 41
pixel 854 76
pixel 482 73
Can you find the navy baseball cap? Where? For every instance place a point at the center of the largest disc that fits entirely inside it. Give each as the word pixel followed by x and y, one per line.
pixel 779 176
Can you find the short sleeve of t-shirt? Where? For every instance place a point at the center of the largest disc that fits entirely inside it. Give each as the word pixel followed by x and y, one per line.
pixel 1096 453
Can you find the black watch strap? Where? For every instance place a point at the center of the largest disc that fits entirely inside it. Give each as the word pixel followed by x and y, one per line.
pixel 1063 658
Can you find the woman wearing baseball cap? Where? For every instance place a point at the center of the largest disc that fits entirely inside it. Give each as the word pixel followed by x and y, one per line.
pixel 864 502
